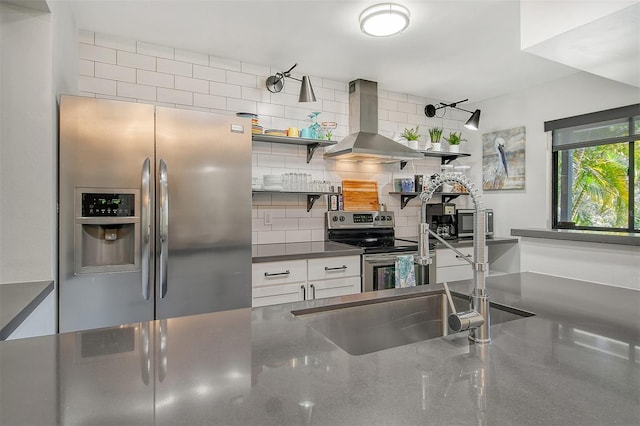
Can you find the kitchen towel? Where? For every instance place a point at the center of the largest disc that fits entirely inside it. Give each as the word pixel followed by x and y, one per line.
pixel 405 272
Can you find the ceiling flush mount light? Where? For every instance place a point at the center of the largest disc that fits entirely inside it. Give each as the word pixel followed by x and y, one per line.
pixel 473 123
pixel 275 84
pixel 384 19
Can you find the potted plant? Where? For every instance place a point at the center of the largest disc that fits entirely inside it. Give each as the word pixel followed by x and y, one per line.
pixel 454 140
pixel 435 134
pixel 412 136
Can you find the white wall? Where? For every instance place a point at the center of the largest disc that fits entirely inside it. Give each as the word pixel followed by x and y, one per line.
pixel 610 264
pixel 577 94
pixel 27 156
pixel 531 208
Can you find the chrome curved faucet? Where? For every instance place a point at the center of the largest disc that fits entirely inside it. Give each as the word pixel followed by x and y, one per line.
pixel 476 320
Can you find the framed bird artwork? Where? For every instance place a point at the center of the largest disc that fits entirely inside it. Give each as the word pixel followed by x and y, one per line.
pixel 503 159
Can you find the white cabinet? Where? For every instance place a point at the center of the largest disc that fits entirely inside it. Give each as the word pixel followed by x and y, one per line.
pixel 307 279
pixel 333 276
pixel 450 266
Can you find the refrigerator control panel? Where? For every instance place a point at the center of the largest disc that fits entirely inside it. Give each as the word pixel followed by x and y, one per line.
pixel 107 205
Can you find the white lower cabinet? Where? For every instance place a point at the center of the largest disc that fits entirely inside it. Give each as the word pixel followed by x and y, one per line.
pixel 297 280
pixel 450 266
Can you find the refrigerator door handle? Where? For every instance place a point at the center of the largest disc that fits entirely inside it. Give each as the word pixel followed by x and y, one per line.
pixel 164 227
pixel 146 228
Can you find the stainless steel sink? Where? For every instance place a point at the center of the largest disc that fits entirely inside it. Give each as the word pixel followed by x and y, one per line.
pixel 372 325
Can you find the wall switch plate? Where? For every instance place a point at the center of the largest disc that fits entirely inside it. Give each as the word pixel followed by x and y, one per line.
pixel 268 219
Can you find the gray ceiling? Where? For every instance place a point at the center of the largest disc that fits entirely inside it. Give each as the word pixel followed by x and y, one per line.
pixel 452 50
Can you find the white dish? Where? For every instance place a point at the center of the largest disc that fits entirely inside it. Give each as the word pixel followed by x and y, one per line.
pixel 272 187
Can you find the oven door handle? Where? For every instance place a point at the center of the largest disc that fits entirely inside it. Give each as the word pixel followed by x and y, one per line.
pixel 380 261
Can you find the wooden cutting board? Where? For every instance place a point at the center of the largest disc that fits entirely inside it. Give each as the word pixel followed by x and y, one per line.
pixel 360 195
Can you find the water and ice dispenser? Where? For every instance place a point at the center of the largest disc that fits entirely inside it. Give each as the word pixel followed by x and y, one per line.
pixel 107 230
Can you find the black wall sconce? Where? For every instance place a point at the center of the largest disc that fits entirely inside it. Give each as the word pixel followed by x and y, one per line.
pixel 472 123
pixel 275 84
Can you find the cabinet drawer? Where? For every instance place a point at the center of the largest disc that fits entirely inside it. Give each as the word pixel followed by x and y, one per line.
pixel 279 293
pixel 446 257
pixel 336 287
pixel 279 272
pixel 327 268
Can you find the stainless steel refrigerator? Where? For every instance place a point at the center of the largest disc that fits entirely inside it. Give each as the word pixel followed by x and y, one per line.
pixel 154 213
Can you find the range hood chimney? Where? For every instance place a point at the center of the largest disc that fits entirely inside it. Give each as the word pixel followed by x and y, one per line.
pixel 364 143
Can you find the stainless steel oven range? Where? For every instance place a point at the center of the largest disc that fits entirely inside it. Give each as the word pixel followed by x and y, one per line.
pixel 374 231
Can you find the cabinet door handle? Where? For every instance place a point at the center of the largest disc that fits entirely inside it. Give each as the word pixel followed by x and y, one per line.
pixel 460 257
pixel 276 274
pixel 339 268
pixel 304 293
pixel 313 287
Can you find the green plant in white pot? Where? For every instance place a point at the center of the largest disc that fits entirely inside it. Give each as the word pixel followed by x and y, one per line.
pixel 454 140
pixel 412 136
pixel 435 133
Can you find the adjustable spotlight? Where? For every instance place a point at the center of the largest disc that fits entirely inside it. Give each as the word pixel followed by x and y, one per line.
pixel 472 123
pixel 275 84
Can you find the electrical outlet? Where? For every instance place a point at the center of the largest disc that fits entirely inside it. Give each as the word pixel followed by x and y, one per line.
pixel 268 219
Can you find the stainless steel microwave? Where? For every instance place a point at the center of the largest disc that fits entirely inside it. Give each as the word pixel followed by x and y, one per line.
pixel 465 222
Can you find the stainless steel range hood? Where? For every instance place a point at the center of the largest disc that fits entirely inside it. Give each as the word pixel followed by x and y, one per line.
pixel 364 143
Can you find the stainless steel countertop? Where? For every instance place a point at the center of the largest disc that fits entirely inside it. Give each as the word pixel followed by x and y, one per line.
pixel 304 250
pixel 574 363
pixel 17 302
pixel 621 238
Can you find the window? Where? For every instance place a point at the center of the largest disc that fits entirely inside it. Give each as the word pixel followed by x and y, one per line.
pixel 596 170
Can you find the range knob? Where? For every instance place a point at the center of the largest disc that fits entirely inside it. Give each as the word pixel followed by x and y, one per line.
pixel 334 218
pixel 388 217
pixel 342 218
pixel 383 218
pixel 377 218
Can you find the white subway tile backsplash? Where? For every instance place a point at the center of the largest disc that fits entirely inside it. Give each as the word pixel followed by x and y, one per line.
pixel 191 84
pixel 115 42
pixel 152 78
pixel 136 91
pixel 209 101
pixel 400 97
pixel 225 63
pixel 297 236
pixel 85 36
pixel 407 107
pixel 388 104
pixel 284 224
pixel 266 108
pixel 255 94
pixel 240 105
pixel 208 73
pixel 96 85
pixel 191 57
pixel 152 49
pixel 223 89
pixel 175 67
pixel 181 97
pixel 317 235
pixel 241 79
pixel 268 160
pixel 97 53
pixel 337 107
pixel 86 68
pixel 271 237
pixel 333 84
pixel 311 223
pixel 115 72
pixel 400 117
pixel 420 100
pixel 261 70
pixel 134 60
